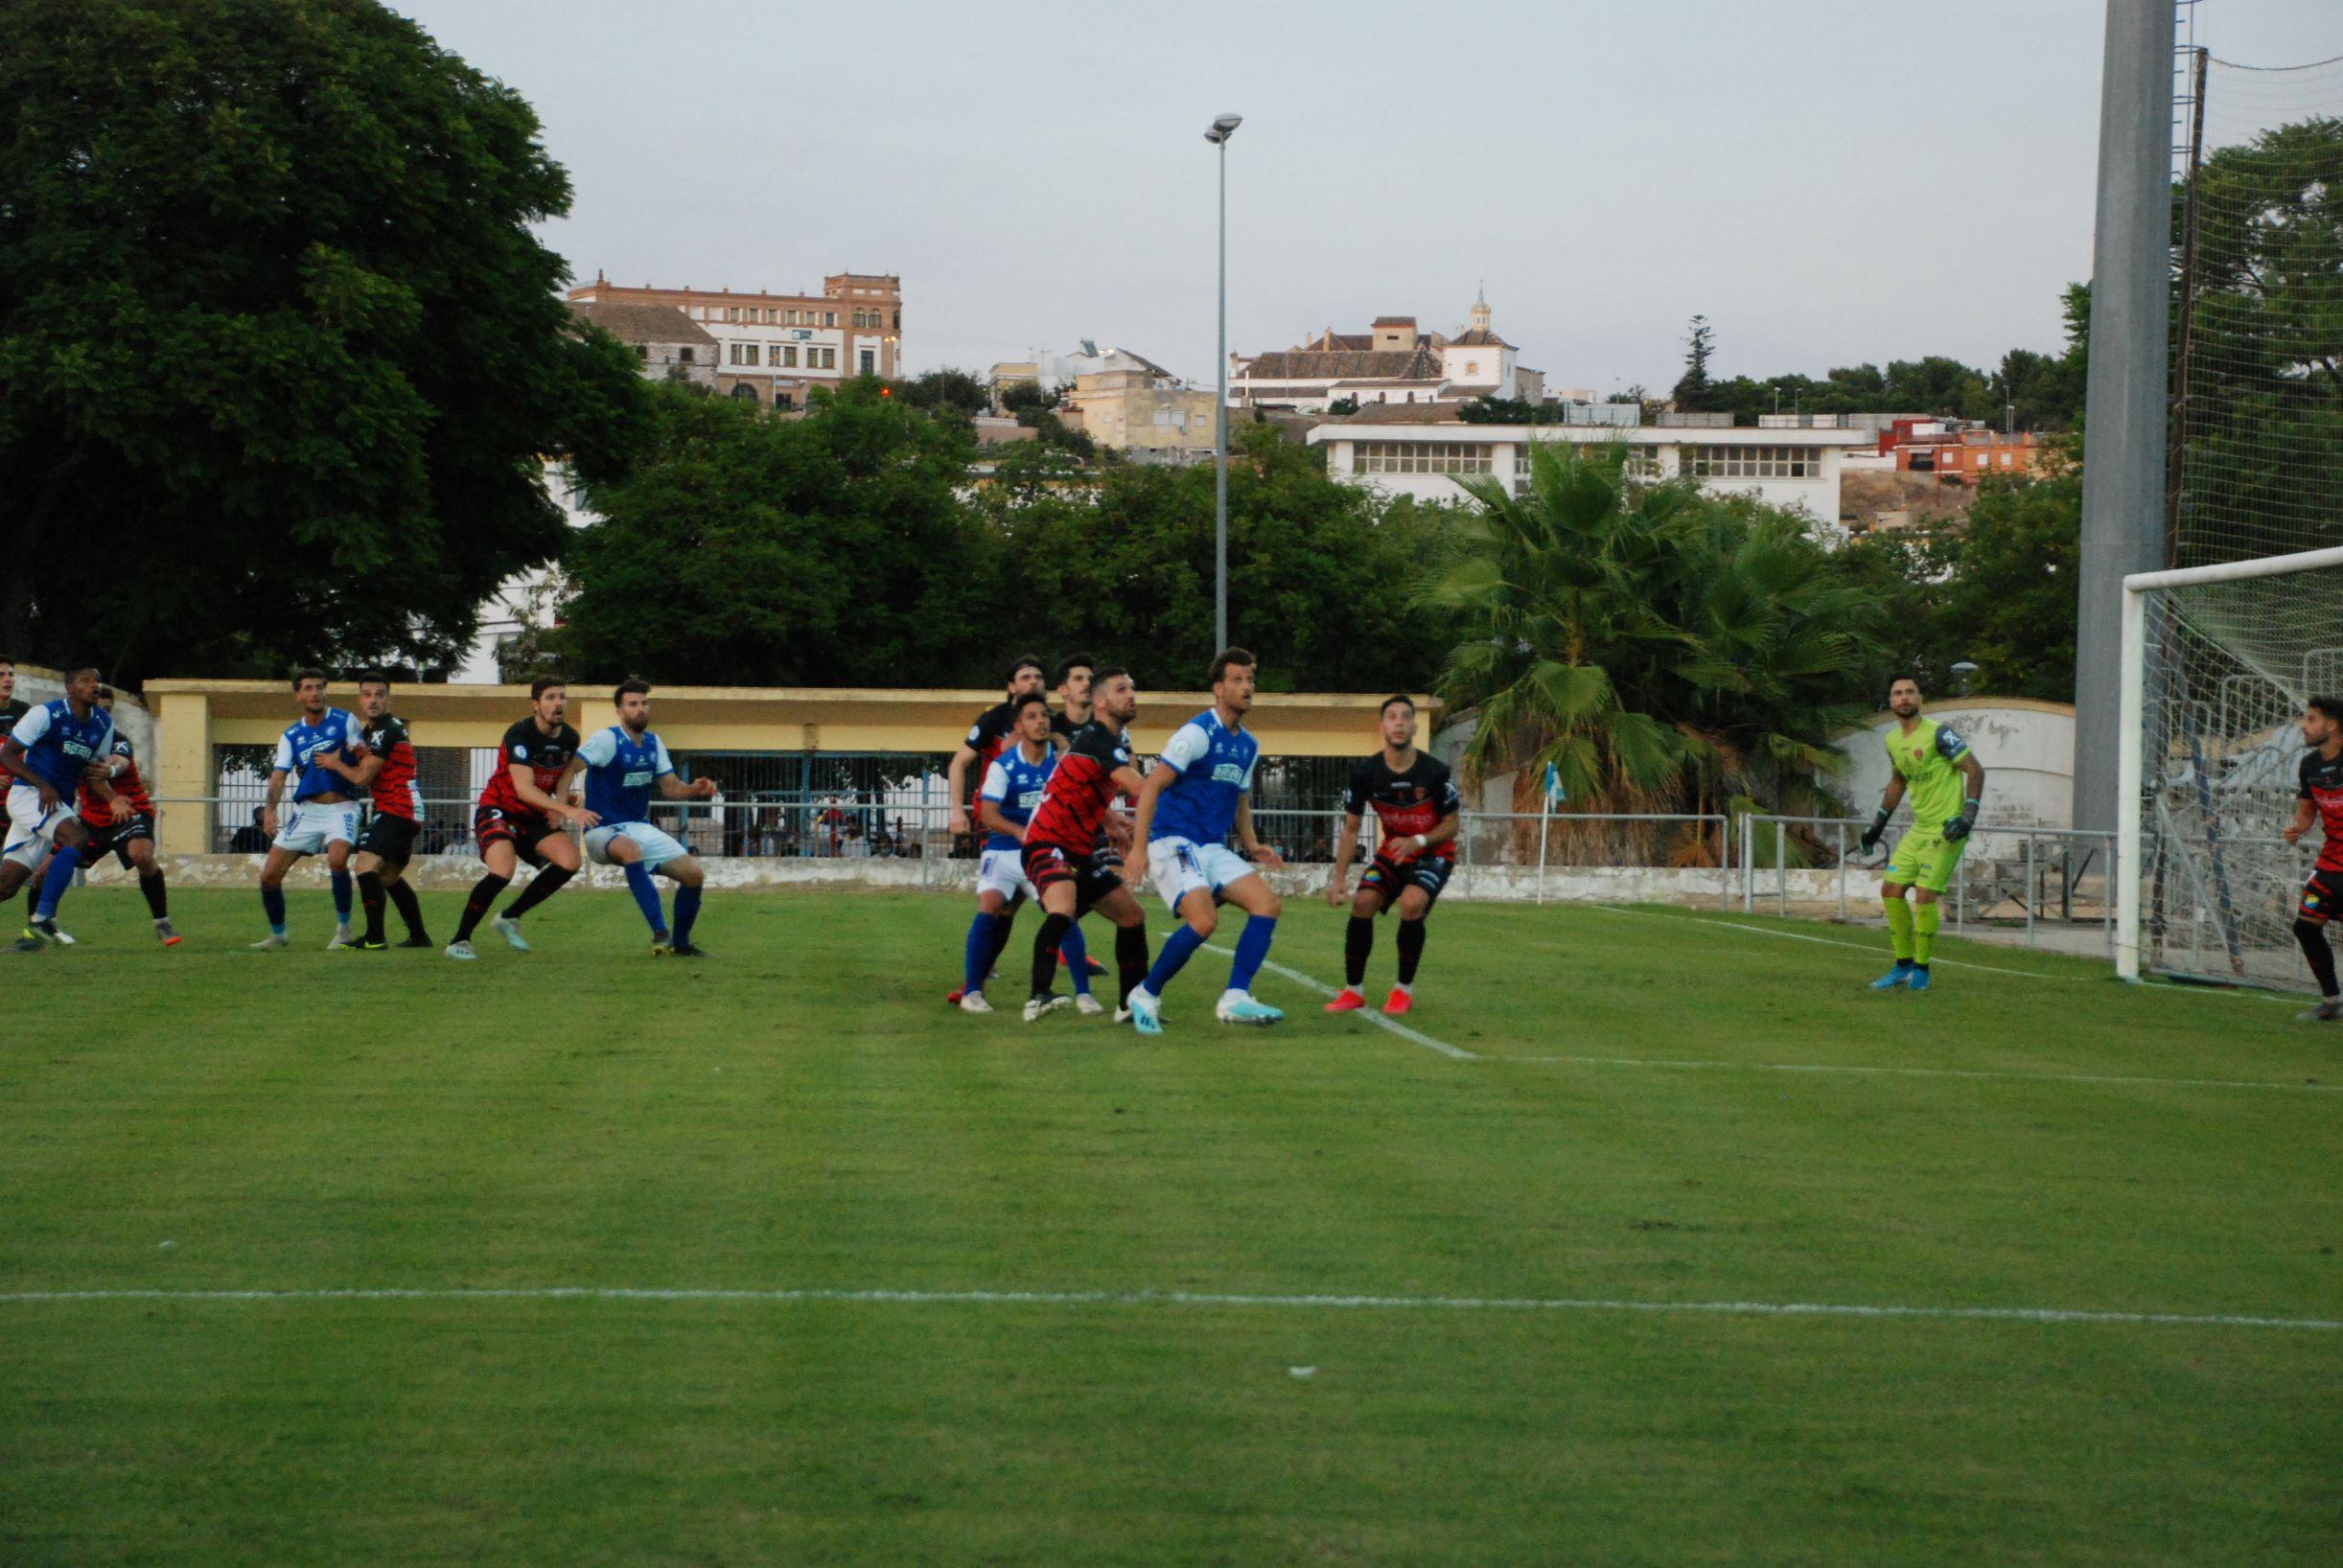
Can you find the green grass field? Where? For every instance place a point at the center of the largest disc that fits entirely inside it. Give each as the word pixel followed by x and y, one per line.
pixel 801 1115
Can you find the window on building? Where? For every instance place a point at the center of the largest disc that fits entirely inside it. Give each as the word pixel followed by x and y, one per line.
pixel 1423 457
pixel 868 361
pixel 773 354
pixel 789 356
pixel 643 351
pixel 898 321
pixel 829 318
pixel 830 359
pixel 731 313
pixel 743 389
pixel 784 402
pixel 1704 462
pixel 684 354
pixel 789 318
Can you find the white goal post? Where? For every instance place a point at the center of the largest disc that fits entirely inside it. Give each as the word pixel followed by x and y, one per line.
pixel 2185 655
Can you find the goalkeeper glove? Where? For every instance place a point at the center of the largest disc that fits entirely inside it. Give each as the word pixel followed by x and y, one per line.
pixel 1871 834
pixel 1958 828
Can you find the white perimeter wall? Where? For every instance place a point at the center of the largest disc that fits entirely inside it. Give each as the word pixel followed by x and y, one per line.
pixel 2027 750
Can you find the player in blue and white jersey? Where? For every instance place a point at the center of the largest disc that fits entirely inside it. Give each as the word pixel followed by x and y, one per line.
pixel 52 754
pixel 321 752
pixel 1014 781
pixel 1197 794
pixel 623 765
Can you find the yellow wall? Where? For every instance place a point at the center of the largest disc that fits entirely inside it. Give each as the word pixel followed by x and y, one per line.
pixel 195 716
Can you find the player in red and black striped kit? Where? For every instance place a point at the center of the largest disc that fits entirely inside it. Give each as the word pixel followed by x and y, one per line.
pixel 387 773
pixel 523 815
pixel 993 732
pixel 2320 791
pixel 1417 809
pixel 1061 843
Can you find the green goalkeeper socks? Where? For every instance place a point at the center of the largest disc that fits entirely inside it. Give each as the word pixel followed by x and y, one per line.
pixel 1926 919
pixel 1899 927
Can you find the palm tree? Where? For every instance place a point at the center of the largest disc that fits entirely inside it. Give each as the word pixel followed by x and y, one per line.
pixel 1665 649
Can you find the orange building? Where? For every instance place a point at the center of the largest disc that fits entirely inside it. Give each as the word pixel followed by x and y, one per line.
pixel 776 348
pixel 1961 455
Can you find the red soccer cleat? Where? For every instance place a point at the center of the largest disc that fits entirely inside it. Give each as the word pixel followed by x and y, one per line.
pixel 1348 1001
pixel 1398 1002
pixel 951 998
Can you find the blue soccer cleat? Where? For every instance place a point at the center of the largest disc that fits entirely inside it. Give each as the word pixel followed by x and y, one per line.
pixel 1900 975
pixel 1919 977
pixel 1146 1016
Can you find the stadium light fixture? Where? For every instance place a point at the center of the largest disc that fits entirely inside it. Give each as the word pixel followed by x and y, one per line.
pixel 1221 129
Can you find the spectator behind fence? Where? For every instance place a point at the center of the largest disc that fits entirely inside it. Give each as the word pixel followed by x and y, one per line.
pixel 250 839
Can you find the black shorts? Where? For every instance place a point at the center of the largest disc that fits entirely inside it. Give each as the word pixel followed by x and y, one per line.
pixel 1391 878
pixel 1046 864
pixel 114 838
pixel 389 839
pixel 523 830
pixel 2322 897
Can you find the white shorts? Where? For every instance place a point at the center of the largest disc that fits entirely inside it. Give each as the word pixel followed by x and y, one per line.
pixel 658 847
pixel 30 830
pixel 1179 867
pixel 1003 871
pixel 310 825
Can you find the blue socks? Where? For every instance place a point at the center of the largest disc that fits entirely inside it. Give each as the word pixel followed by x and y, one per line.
pixel 272 904
pixel 647 896
pixel 986 934
pixel 1078 958
pixel 1252 950
pixel 686 910
pixel 53 887
pixel 1177 949
pixel 342 897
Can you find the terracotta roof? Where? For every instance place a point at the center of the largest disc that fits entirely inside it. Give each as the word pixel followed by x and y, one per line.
pixel 1330 340
pixel 644 323
pixel 1479 337
pixel 1416 364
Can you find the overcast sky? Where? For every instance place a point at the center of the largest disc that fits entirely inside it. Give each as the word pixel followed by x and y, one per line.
pixel 1828 182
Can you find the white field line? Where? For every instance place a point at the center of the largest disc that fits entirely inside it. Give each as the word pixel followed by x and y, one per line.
pixel 1954 963
pixel 1938 1072
pixel 1370 1014
pixel 1194 1298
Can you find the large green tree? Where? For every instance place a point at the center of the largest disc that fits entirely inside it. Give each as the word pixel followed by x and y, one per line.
pixel 747 550
pixel 1667 650
pixel 279 358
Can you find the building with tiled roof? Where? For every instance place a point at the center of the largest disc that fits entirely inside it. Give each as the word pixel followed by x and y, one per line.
pixel 1391 362
pixel 666 343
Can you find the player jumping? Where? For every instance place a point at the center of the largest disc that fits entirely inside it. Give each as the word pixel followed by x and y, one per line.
pixel 122 826
pixel 319 752
pixel 1947 784
pixel 520 815
pixel 50 752
pixel 2320 791
pixel 622 763
pixel 388 771
pixel 1199 790
pixel 1014 783
pixel 1416 809
pixel 1061 842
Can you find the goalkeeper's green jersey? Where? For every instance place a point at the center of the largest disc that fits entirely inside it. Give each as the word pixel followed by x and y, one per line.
pixel 1928 760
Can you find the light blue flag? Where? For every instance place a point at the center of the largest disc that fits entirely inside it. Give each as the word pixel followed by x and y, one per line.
pixel 1554 793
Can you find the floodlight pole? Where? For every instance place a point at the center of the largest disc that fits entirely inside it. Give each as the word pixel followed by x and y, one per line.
pixel 1222 129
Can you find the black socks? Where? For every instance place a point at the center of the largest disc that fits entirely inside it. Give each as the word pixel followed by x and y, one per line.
pixel 1411 950
pixel 2313 938
pixel 1130 960
pixel 1046 940
pixel 1357 942
pixel 549 882
pixel 476 908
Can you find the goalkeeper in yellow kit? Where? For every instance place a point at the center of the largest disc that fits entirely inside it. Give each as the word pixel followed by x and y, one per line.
pixel 1946 783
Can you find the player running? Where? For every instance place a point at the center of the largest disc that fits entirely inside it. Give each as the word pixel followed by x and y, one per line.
pixel 122 826
pixel 1014 783
pixel 1417 809
pixel 520 814
pixel 387 773
pixel 319 752
pixel 51 751
pixel 1199 790
pixel 1060 842
pixel 2320 789
pixel 1947 785
pixel 622 763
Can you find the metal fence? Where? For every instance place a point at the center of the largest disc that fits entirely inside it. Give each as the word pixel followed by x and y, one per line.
pixel 2012 877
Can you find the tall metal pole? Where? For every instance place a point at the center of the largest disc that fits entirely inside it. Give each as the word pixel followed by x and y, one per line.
pixel 2122 487
pixel 1219 436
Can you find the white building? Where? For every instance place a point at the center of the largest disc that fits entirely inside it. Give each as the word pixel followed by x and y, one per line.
pixel 1423 451
pixel 1054 372
pixel 1391 361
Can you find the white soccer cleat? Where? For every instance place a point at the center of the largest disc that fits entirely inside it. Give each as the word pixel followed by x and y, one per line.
pixel 343 937
pixel 509 929
pixel 1240 1007
pixel 1123 1015
pixel 1146 1016
pixel 973 1002
pixel 1088 1005
pixel 1039 1006
pixel 47 931
pixel 270 941
pixel 461 950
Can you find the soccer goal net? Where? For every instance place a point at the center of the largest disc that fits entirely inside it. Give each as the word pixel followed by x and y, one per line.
pixel 2219 661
